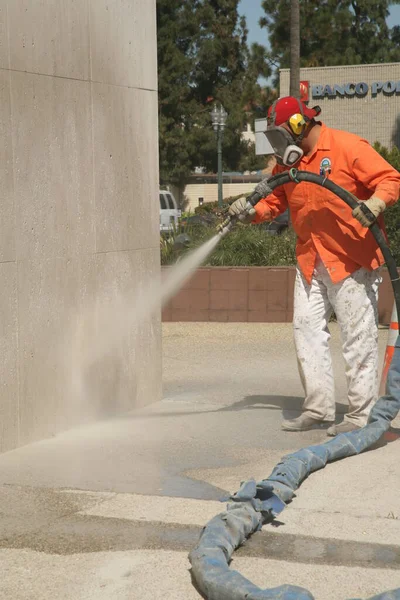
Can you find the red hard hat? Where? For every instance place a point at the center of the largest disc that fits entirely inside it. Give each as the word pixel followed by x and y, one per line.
pixel 284 108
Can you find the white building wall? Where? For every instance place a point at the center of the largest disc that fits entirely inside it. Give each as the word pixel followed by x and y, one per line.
pixel 209 192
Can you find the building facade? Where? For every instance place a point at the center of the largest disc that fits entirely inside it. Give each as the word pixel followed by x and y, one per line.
pixel 361 99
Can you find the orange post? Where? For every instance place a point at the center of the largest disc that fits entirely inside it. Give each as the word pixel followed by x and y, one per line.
pixel 392 337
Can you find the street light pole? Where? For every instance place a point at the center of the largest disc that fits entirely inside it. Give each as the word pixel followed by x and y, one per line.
pixel 220 198
pixel 218 119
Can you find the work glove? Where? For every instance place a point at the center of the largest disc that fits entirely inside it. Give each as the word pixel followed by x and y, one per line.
pixel 238 209
pixel 375 205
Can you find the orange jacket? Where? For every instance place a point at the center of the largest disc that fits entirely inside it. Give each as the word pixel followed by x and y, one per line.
pixel 322 221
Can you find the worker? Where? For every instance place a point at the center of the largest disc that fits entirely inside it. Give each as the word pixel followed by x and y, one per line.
pixel 338 260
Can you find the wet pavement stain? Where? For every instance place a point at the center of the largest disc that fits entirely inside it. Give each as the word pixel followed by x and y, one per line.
pixel 304 549
pixel 78 534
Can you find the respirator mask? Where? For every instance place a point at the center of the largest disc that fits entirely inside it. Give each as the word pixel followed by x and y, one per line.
pixel 285 143
pixel 285 148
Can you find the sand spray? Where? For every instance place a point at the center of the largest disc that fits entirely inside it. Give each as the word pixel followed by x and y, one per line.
pixel 102 333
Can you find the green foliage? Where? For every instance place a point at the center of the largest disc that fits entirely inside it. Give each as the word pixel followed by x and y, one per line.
pixel 243 246
pixel 167 251
pixel 392 156
pixel 207 208
pixel 252 246
pixel 212 207
pixel 203 57
pixel 333 32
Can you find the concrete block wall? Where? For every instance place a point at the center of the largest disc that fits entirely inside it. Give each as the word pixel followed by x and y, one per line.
pixel 376 117
pixel 248 294
pixel 235 294
pixel 79 208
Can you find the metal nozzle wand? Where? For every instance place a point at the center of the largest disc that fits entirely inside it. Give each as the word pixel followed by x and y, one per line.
pixel 225 227
pixel 262 190
pixel 229 223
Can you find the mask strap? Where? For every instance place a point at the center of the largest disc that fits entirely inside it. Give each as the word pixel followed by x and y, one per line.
pixel 272 117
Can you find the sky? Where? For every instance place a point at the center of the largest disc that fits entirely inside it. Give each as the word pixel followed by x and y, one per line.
pixel 253 11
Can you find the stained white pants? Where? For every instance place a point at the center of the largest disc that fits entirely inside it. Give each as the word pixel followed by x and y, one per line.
pixel 355 302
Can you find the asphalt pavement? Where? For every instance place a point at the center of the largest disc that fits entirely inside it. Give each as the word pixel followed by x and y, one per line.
pixel 111 510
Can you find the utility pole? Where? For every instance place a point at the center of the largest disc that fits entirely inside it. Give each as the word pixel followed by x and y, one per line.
pixel 295 48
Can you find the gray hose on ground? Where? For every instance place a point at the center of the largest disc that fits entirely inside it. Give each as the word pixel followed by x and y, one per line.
pixel 255 503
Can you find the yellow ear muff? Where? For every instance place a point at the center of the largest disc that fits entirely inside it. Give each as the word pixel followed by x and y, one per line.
pixel 297 123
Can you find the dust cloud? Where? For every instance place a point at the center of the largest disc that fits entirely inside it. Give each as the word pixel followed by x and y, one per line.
pixel 96 348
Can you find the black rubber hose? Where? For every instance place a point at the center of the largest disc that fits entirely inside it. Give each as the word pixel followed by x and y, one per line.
pixel 299 176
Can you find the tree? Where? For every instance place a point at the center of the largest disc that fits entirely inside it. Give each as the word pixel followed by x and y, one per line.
pixel 295 48
pixel 203 57
pixel 333 32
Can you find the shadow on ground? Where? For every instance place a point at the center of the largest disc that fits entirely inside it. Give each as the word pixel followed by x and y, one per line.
pixel 290 406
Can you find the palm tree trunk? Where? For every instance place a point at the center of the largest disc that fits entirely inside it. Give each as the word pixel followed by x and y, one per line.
pixel 295 48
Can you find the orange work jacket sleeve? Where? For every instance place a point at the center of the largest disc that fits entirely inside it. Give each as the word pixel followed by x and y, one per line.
pixel 369 168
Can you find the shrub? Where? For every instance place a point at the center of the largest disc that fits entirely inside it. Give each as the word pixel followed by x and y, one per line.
pixel 253 246
pixel 392 214
pixel 212 207
pixel 244 246
pixel 168 253
pixel 392 156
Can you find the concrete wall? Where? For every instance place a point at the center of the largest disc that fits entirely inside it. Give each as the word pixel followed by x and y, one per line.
pixel 376 117
pixel 235 294
pixel 79 206
pixel 248 294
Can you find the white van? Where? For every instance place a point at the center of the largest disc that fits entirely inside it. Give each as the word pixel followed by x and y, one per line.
pixel 169 211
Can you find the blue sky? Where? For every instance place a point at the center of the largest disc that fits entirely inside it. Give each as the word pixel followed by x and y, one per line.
pixel 252 11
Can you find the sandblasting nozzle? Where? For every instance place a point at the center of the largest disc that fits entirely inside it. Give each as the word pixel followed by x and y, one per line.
pixel 226 226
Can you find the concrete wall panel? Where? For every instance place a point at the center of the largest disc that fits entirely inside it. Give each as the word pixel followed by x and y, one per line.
pixel 7 213
pixel 52 294
pixel 4 49
pixel 49 37
pixel 120 36
pixel 125 131
pixel 124 280
pixel 54 170
pixel 85 352
pixel 78 163
pixel 8 351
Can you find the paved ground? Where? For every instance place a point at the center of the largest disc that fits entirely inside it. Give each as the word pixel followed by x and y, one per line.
pixel 110 511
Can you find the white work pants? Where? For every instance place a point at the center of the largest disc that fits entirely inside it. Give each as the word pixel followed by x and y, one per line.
pixel 355 302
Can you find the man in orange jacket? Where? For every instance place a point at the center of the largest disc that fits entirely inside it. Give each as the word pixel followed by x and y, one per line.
pixel 337 257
